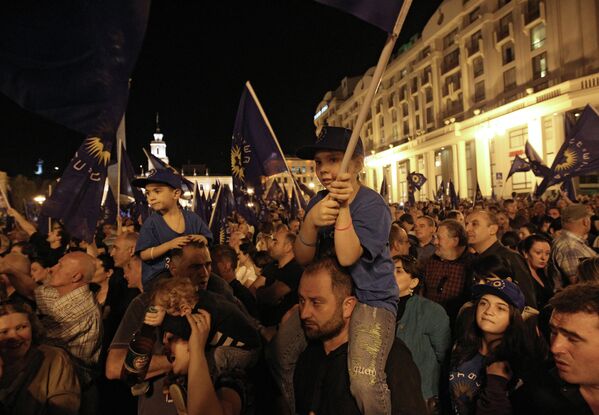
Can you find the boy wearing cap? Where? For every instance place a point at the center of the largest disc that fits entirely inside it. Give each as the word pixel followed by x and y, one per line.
pixel 169 227
pixel 352 222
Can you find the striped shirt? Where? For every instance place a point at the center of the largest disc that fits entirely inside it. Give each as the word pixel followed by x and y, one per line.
pixel 72 321
pixel 567 251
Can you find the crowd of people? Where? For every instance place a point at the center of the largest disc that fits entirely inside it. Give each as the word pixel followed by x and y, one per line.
pixel 357 306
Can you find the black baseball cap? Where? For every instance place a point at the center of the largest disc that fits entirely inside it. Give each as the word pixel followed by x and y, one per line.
pixel 330 138
pixel 163 176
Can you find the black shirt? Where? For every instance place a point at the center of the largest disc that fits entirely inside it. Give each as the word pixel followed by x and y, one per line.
pixel 321 382
pixel 289 275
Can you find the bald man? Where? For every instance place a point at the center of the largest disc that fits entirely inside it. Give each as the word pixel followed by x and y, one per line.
pixel 69 310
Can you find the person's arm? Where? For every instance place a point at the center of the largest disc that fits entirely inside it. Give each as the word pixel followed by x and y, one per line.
pixel 154 252
pixel 205 400
pixel 21 221
pixel 347 243
pixel 323 213
pixel 440 334
pixel 23 283
pixel 272 294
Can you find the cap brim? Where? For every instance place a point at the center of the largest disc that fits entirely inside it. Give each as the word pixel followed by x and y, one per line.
pixel 478 290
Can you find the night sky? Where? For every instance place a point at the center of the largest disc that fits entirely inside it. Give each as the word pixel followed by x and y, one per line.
pixel 192 68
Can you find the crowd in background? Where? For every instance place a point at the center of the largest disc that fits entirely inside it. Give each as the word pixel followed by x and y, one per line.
pixel 498 313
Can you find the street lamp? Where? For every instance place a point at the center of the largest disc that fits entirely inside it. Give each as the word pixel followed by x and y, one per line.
pixel 39 199
pixel 250 191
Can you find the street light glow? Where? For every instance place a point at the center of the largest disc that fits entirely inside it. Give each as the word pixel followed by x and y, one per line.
pixel 39 199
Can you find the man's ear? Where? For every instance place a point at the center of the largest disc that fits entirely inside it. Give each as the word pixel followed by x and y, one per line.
pixel 77 277
pixel 493 229
pixel 348 306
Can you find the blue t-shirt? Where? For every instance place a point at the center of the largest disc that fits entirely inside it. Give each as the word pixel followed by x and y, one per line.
pixel 155 232
pixel 465 382
pixel 373 273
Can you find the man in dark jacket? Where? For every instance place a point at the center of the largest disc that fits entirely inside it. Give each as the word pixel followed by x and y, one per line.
pixel 321 379
pixel 481 228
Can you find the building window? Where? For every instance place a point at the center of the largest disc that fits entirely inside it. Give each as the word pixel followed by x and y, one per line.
pixel 428 95
pixel 427 75
pixel 537 36
pixel 406 127
pixel 504 26
pixel 533 10
pixel 539 66
pixel 474 43
pixel 416 103
pixel 518 137
pixel 403 92
pixel 449 40
pixel 417 122
pixel 478 67
pixel 502 3
pixel 381 122
pixel 473 15
pixel 509 79
pixel 479 91
pixel 393 116
pixel 395 133
pixel 507 53
pixel 404 109
pixel 451 60
pixel 429 116
pixel 455 81
pixel 414 88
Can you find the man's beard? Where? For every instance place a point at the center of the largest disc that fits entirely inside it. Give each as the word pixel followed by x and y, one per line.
pixel 328 330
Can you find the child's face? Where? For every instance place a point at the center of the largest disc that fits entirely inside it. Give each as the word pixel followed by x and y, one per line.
pixel 328 163
pixel 161 197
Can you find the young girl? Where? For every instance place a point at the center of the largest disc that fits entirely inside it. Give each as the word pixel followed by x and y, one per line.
pixel 352 223
pixel 493 352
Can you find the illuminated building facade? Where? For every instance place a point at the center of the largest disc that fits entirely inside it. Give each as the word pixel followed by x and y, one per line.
pixel 459 101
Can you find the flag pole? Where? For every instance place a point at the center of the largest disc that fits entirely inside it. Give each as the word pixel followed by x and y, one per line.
pixel 5 197
pixel 376 79
pixel 215 206
pixel 120 134
pixel 272 132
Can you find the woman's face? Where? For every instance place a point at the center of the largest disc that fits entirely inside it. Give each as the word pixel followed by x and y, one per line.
pixel 38 273
pixel 101 273
pixel 492 314
pixel 15 336
pixel 243 258
pixel 404 281
pixel 538 256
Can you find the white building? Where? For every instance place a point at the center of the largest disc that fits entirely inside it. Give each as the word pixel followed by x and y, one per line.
pixel 158 146
pixel 459 101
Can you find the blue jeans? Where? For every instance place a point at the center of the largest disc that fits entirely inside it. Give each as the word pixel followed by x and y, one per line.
pixel 371 335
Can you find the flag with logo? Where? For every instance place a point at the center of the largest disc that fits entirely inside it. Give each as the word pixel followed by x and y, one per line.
pixel 380 13
pixel 519 165
pixel 223 208
pixel 577 155
pixel 416 179
pixel 77 197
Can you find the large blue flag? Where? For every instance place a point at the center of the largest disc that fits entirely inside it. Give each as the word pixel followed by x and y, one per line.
pixel 222 210
pixel 254 152
pixel 76 200
pixel 537 165
pixel 70 61
pixel 519 165
pixel 577 155
pixel 380 13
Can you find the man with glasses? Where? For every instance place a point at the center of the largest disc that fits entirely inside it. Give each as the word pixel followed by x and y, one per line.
pixel 447 277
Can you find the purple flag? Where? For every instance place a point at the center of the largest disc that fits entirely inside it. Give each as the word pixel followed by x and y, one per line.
pixel 519 165
pixel 380 13
pixel 158 164
pixel 536 162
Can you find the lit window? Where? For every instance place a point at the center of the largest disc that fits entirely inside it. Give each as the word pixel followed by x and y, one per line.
pixel 537 37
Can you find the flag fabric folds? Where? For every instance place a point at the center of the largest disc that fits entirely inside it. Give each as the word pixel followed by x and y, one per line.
pixel 222 210
pixel 199 204
pixel 536 163
pixel 70 61
pixel 158 164
pixel 576 156
pixel 455 201
pixel 77 197
pixel 478 197
pixel 519 165
pixel 384 189
pixel 416 179
pixel 380 13
pixel 440 196
pixel 568 187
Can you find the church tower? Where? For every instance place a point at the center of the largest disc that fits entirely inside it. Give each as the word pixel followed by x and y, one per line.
pixel 157 146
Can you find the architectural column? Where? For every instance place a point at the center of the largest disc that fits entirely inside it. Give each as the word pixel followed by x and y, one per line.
pixel 462 183
pixel 394 182
pixel 429 162
pixel 483 166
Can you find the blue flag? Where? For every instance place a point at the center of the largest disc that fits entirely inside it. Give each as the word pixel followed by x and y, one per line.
pixel 577 155
pixel 416 179
pixel 478 196
pixel 440 196
pixel 568 187
pixel 536 162
pixel 276 194
pixel 140 206
pixel 70 61
pixel 109 213
pixel 254 152
pixel 199 204
pixel 519 165
pixel 158 164
pixel 222 210
pixel 76 200
pixel 455 201
pixel 384 189
pixel 380 13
